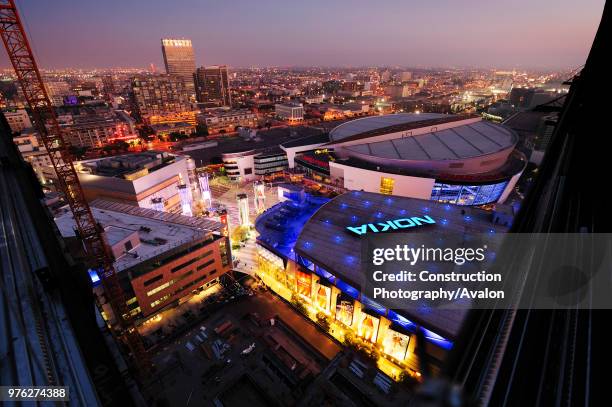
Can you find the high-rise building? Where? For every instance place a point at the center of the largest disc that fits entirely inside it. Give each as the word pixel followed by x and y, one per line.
pixel 161 99
pixel 212 85
pixel 179 60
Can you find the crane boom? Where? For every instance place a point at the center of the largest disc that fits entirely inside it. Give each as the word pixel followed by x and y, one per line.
pixel 45 119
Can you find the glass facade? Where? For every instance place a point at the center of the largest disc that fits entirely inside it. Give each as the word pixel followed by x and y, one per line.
pixel 467 194
pixel 386 185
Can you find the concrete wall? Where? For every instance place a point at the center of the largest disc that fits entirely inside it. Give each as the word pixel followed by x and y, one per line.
pixel 358 179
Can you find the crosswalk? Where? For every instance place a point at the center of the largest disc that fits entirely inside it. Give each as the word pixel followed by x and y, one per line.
pixel 247 257
pixel 227 197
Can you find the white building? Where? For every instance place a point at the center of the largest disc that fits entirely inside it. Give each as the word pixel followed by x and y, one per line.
pixel 290 111
pixel 461 160
pixel 137 179
pixel 35 153
pixel 240 166
pixel 18 120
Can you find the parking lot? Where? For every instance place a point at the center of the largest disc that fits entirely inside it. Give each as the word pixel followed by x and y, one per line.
pixel 257 342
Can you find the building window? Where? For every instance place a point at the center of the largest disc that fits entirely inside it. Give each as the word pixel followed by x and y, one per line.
pixel 154 279
pixel 248 171
pixel 386 185
pixel 468 194
pixel 128 246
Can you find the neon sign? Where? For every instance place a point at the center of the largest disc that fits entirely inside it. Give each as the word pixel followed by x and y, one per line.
pixel 390 225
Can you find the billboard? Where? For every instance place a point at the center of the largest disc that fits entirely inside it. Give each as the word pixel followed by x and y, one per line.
pixel 368 327
pixel 395 344
pixel 304 281
pixel 345 306
pixel 322 298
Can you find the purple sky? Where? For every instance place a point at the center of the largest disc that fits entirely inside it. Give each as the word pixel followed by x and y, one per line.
pixel 126 33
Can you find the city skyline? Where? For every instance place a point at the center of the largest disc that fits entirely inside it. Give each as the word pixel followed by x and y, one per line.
pixel 548 35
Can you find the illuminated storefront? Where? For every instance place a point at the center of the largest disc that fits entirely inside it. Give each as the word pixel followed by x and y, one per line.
pixel 314 259
pixel 468 194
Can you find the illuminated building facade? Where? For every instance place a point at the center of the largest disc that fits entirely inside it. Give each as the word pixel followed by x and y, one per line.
pixel 136 179
pixel 306 251
pixel 18 119
pixel 445 158
pixel 161 99
pixel 291 112
pixel 100 129
pixel 179 60
pixel 160 258
pixel 212 86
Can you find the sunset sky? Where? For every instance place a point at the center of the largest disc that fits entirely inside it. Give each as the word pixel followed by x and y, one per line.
pixel 437 33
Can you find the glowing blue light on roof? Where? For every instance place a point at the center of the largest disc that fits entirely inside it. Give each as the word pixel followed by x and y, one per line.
pixel 94 277
pixel 350 259
pixel 426 209
pixel 389 201
pixel 437 339
pixel 367 203
pixel 401 321
pixel 447 207
pixel 379 215
pixel 338 239
pixel 379 309
pixel 444 222
pixel 324 273
pixel 403 212
pixel 347 289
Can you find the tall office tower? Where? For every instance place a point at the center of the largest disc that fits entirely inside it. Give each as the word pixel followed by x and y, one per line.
pixel 179 60
pixel 212 85
pixel 161 99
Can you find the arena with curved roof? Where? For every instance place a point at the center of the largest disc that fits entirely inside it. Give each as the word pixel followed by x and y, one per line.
pixel 459 159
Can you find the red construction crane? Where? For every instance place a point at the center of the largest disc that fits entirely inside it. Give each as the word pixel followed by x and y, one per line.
pixel 45 119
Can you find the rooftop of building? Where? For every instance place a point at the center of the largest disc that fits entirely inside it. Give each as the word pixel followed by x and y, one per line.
pixel 470 140
pixel 127 165
pixel 527 121
pixel 385 124
pixel 325 240
pixel 280 225
pixel 308 140
pixel 265 139
pixel 459 142
pixel 159 232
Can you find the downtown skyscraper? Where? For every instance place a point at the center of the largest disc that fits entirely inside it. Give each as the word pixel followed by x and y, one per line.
pixel 179 60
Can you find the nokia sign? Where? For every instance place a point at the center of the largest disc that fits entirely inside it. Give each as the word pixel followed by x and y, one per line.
pixel 391 225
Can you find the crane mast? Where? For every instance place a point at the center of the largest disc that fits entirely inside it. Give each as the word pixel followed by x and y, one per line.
pixel 45 119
